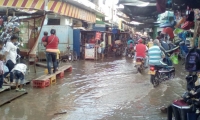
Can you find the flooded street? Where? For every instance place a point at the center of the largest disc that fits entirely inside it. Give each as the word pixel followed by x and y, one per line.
pixel 102 90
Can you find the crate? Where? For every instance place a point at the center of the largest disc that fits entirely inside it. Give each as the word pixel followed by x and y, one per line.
pixel 53 79
pixel 41 83
pixel 46 71
pixel 69 69
pixel 61 75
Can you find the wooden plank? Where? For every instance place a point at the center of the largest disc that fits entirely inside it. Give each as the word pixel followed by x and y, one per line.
pixel 4 88
pixel 7 97
pixel 13 86
pixel 61 69
pixel 41 64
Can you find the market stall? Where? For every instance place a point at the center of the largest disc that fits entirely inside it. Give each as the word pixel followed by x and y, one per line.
pixel 90 42
pixel 25 23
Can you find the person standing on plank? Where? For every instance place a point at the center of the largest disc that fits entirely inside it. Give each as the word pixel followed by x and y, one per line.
pixel 51 50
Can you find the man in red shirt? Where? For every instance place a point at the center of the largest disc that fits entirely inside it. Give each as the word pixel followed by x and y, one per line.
pixel 51 50
pixel 141 50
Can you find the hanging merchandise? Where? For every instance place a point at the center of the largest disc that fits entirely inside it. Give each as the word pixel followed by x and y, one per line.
pixel 169 22
pixel 197 14
pixel 178 31
pixel 189 21
pixel 169 31
pixel 178 4
pixel 190 16
pixel 187 25
pixel 180 22
pixel 161 5
pixel 98 36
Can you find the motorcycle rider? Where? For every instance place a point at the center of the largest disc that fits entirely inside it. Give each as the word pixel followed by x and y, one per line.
pixel 155 54
pixel 141 50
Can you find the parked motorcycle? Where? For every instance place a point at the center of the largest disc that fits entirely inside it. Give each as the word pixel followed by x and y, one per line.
pixel 140 64
pixel 162 73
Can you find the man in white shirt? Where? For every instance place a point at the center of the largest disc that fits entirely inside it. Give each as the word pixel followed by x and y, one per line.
pixel 11 55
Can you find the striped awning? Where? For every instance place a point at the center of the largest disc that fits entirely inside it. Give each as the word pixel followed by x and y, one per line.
pixel 33 4
pixel 24 10
pixel 61 8
pixel 66 9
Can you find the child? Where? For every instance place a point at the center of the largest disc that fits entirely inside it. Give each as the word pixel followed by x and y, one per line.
pixel 19 72
pixel 1 70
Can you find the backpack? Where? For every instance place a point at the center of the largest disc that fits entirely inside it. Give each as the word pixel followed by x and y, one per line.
pixel 192 61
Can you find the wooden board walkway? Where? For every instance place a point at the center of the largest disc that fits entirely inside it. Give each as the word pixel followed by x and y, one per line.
pixel 13 85
pixel 42 64
pixel 5 88
pixel 61 69
pixel 7 97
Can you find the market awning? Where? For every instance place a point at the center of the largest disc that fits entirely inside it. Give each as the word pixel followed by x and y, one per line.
pixel 66 9
pixel 33 4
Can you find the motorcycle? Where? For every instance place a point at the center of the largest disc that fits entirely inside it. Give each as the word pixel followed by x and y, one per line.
pixel 162 73
pixel 118 50
pixel 130 52
pixel 140 64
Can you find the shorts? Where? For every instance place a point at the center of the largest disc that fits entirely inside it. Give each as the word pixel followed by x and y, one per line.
pixel 18 76
pixel 102 50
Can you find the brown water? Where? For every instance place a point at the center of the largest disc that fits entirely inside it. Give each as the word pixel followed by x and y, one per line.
pixel 102 90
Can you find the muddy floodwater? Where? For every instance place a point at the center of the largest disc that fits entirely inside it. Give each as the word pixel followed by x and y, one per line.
pixel 97 90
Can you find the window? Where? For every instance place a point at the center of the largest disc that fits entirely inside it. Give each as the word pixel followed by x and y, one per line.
pixel 53 22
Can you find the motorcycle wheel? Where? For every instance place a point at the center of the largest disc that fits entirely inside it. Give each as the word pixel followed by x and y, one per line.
pixel 172 75
pixel 75 57
pixel 139 70
pixel 70 58
pixel 154 80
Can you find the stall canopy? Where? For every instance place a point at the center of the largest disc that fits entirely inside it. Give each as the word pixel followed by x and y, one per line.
pixel 144 11
pixel 66 9
pixel 33 4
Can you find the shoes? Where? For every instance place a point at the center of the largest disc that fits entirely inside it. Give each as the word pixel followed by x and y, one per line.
pixel 20 90
pixel 54 71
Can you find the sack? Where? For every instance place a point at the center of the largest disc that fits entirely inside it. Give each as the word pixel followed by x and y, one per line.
pixel 5 69
pixel 99 50
pixel 192 61
pixel 174 59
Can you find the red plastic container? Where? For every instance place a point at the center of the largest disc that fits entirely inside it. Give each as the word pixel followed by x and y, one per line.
pixel 61 75
pixel 69 69
pixel 41 83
